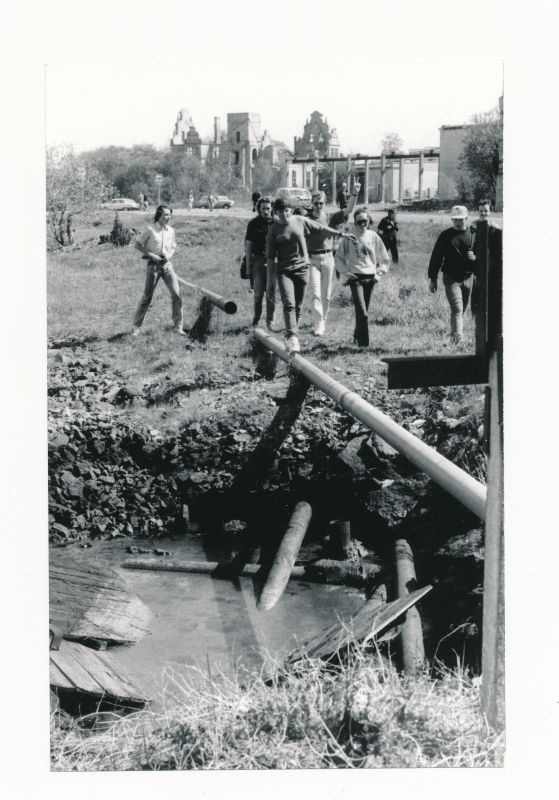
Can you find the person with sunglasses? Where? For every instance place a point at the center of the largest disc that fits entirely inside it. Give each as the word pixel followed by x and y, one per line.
pixel 286 242
pixel 363 261
pixel 321 253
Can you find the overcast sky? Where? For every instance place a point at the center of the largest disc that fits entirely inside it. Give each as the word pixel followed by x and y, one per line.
pixel 95 103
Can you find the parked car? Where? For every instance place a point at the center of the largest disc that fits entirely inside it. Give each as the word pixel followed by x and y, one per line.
pixel 121 204
pixel 220 201
pixel 294 197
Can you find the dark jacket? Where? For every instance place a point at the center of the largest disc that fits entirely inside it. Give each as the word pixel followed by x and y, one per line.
pixel 387 229
pixel 450 255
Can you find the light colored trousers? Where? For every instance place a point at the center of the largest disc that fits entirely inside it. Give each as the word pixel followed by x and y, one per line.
pixel 263 282
pixel 321 280
pixel 153 273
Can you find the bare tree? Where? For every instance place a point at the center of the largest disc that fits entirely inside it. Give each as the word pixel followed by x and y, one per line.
pixel 73 186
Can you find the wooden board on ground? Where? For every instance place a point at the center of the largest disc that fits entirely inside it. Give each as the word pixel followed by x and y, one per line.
pixel 370 621
pixel 91 601
pixel 80 669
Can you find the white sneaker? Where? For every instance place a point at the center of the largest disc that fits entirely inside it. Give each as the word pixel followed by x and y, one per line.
pixel 293 345
pixel 271 326
pixel 136 331
pixel 180 332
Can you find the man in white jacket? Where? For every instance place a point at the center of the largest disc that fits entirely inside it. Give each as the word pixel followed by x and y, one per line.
pixel 363 262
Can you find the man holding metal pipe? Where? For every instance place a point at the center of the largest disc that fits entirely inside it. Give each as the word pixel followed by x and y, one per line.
pixel 158 246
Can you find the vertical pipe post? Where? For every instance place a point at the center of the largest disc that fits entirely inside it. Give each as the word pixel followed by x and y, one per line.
pixel 382 177
pixel 284 560
pixel 334 182
pixel 401 181
pixel 366 198
pixel 421 168
pixel 493 647
pixel 316 186
pixel 349 173
pixel 413 652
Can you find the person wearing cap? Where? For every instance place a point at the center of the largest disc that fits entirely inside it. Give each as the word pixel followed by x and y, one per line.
pixel 286 242
pixel 362 261
pixel 387 229
pixel 320 246
pixel 454 256
pixel 343 196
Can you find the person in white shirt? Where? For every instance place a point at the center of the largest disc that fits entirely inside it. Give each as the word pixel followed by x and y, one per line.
pixel 363 262
pixel 158 246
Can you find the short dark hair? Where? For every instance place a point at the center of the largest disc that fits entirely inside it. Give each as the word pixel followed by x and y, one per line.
pixel 484 202
pixel 159 211
pixel 280 204
pixel 264 199
pixel 361 210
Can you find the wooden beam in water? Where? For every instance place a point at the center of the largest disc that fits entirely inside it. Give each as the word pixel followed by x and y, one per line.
pixel 370 621
pixel 288 550
pixel 90 601
pixel 78 669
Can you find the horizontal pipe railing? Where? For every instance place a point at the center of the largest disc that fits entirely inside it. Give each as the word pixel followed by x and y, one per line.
pixel 229 306
pixel 459 484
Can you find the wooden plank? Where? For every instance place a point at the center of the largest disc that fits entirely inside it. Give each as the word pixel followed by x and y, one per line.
pixel 92 601
pixel 409 372
pixel 372 619
pixel 481 288
pixel 82 670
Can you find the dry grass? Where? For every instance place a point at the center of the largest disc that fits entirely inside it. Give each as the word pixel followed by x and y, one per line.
pixel 361 715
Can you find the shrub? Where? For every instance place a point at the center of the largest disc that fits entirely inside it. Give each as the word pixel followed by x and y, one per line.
pixel 120 236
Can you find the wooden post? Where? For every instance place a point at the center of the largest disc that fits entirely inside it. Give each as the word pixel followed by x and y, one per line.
pixel 334 187
pixel 316 186
pixel 493 648
pixel 342 537
pixel 382 176
pixel 421 168
pixel 401 181
pixel 413 652
pixel 349 173
pixel 284 561
pixel 366 197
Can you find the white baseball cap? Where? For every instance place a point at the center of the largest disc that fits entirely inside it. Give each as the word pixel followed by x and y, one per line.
pixel 459 212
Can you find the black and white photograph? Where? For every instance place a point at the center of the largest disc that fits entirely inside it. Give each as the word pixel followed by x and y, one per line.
pixel 272 330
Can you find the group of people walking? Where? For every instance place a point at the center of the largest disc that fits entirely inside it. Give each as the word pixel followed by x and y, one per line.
pixel 290 250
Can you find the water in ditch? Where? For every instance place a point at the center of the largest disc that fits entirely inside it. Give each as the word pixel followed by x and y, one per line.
pixel 203 626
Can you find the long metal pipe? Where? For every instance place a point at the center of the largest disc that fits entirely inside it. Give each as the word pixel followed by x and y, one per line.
pixel 454 480
pixel 229 306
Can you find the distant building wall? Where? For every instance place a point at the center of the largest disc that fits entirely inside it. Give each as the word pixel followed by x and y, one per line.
pixel 451 145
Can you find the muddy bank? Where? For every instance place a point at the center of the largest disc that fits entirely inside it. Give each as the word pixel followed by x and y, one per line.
pixel 241 466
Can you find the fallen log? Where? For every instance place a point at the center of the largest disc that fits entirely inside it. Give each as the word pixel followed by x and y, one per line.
pixel 411 637
pixel 372 620
pixel 284 560
pixel 322 571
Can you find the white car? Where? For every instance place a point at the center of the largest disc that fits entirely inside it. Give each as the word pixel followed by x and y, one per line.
pixel 121 204
pixel 294 197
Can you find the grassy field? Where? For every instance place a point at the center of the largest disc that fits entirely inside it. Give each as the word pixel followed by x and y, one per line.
pixel 93 292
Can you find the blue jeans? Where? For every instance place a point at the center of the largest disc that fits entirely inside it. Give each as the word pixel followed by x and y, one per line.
pixel 361 291
pixel 292 287
pixel 263 282
pixel 153 273
pixel 458 295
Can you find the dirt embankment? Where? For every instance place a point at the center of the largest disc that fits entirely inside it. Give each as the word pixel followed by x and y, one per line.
pixel 242 465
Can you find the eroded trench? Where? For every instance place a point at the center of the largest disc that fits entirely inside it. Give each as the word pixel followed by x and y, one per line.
pixel 223 491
